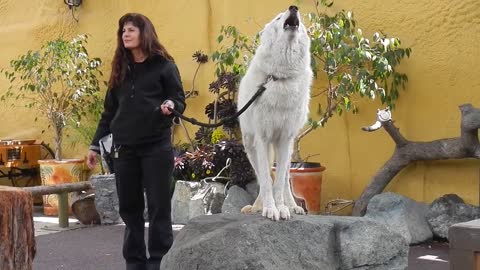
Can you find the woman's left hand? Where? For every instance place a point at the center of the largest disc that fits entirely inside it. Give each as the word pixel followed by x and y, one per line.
pixel 165 105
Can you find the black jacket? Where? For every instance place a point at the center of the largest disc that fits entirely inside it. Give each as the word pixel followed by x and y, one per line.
pixel 132 110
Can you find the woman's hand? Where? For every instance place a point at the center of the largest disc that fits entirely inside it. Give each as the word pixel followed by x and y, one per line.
pixel 91 159
pixel 165 105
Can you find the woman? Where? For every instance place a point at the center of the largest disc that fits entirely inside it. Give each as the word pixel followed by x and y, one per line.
pixel 143 84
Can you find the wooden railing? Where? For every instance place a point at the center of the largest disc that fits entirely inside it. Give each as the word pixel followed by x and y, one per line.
pixel 62 191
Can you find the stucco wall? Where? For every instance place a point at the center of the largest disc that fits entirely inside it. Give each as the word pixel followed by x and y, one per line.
pixel 442 75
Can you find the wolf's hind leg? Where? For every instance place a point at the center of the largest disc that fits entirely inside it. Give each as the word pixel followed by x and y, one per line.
pixel 289 199
pixel 255 208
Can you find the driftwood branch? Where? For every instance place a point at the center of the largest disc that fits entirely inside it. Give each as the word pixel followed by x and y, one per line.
pixel 406 152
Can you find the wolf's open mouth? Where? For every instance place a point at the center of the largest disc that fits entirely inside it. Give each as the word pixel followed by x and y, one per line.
pixel 291 23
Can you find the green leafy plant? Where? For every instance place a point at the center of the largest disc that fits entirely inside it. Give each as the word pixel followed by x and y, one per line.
pixel 59 81
pixel 350 65
pixel 196 165
pixel 214 146
pixel 208 160
pixel 240 170
pixel 230 65
pixel 85 130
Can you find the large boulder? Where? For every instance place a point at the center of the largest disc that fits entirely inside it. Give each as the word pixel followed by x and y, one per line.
pixel 402 215
pixel 448 210
pixel 239 241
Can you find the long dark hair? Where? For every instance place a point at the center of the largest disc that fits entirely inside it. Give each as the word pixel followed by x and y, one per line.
pixel 148 42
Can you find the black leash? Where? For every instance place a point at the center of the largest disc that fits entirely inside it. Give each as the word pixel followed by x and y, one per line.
pixel 194 121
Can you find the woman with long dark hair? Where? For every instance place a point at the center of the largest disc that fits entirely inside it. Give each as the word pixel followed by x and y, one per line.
pixel 143 83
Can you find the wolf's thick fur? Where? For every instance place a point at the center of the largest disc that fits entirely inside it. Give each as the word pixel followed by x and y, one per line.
pixel 275 118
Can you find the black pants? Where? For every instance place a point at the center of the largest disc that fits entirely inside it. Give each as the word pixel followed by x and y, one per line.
pixel 139 168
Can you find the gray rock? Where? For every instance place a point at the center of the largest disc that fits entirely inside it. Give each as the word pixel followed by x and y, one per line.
pixel 191 199
pixel 214 198
pixel 183 207
pixel 366 244
pixel 253 188
pixel 106 199
pixel 402 215
pixel 236 198
pixel 239 241
pixel 448 210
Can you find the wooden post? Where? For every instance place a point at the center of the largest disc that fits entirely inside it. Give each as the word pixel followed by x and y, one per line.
pixel 17 234
pixel 63 210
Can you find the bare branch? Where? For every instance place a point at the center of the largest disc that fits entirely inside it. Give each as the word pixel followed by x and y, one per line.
pixel 394 132
pixel 406 152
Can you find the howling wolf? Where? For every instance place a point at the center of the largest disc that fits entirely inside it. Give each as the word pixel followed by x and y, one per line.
pixel 282 64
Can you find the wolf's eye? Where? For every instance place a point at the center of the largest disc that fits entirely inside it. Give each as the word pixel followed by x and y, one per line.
pixel 278 18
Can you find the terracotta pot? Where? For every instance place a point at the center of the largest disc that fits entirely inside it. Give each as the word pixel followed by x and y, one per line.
pixel 306 184
pixel 55 172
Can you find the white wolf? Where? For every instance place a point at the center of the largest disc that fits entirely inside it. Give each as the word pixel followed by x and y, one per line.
pixel 282 61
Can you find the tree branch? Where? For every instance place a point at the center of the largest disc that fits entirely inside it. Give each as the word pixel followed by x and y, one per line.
pixel 394 132
pixel 406 152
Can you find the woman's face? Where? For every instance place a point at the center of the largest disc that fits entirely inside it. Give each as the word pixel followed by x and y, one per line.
pixel 131 36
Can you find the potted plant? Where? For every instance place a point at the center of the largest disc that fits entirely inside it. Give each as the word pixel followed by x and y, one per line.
pixel 350 66
pixel 59 81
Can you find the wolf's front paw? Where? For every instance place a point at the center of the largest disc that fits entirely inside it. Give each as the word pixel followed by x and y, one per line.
pixel 298 210
pixel 284 212
pixel 271 213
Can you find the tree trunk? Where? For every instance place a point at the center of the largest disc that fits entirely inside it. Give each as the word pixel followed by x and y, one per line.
pixel 406 152
pixel 58 143
pixel 17 234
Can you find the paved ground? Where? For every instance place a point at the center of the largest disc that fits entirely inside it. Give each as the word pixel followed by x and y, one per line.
pixel 97 247
pixel 78 247
pixel 432 256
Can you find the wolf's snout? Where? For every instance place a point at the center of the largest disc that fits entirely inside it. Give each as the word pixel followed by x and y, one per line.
pixel 292 22
pixel 293 8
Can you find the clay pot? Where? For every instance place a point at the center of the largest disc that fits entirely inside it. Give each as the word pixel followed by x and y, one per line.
pixel 55 172
pixel 306 184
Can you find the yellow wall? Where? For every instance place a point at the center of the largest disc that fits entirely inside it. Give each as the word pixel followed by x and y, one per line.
pixel 443 73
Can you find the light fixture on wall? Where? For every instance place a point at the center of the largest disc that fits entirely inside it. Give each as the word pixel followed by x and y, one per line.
pixel 72 4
